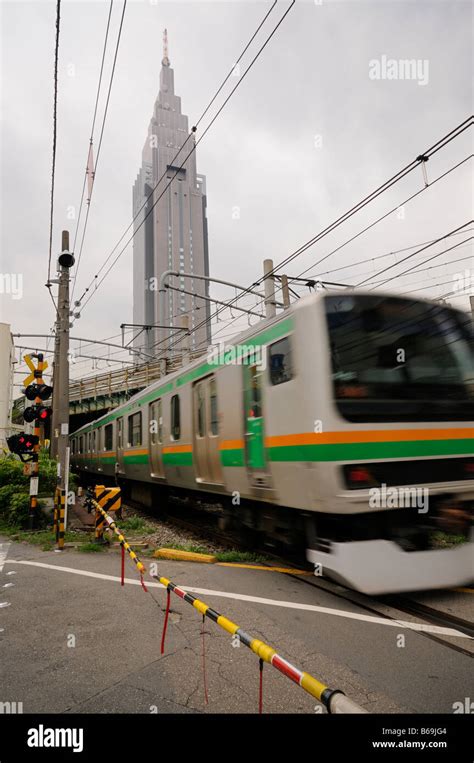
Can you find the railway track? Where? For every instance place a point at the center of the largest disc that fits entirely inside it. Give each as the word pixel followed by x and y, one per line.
pixel 384 606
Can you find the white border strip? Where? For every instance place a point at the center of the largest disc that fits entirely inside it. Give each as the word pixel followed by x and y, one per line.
pixel 420 627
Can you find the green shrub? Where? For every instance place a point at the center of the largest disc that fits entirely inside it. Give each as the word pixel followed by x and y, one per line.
pixel 16 511
pixel 11 471
pixel 15 486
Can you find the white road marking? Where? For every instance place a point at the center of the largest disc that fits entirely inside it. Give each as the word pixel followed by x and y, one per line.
pixel 421 627
pixel 4 604
pixel 8 585
pixel 3 554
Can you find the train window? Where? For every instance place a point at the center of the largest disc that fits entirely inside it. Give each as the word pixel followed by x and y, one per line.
pixel 201 411
pixel 93 440
pixel 175 418
pixel 108 434
pixel 81 444
pixel 214 424
pixel 89 436
pixel 119 434
pixel 279 361
pixel 73 446
pixel 135 429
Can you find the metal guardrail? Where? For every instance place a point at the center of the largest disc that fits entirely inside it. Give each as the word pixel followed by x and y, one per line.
pixel 334 700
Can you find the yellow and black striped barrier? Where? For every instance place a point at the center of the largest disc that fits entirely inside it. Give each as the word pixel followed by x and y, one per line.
pixel 126 546
pixel 333 699
pixel 108 499
pixel 62 513
pixel 57 494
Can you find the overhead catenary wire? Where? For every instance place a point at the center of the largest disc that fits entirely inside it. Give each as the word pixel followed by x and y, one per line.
pixel 180 149
pixel 117 45
pixel 99 85
pixel 418 251
pixel 369 259
pixel 441 143
pixel 259 52
pixel 387 214
pixel 55 130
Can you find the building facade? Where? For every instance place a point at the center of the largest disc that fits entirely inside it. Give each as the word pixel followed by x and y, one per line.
pixel 174 235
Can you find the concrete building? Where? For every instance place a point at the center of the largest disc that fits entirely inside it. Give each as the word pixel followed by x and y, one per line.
pixel 7 357
pixel 174 236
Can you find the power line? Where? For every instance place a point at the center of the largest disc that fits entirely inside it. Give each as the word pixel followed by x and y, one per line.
pixel 55 126
pixel 371 259
pixel 100 138
pixel 93 125
pixel 431 151
pixel 409 257
pixel 177 154
pixel 188 155
pixel 180 149
pixel 441 143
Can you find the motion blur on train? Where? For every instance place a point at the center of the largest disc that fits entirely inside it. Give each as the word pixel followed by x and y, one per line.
pixel 344 424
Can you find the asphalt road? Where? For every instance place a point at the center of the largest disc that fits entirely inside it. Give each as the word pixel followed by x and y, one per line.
pixel 74 642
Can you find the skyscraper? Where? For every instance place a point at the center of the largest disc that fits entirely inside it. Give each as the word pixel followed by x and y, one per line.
pixel 174 236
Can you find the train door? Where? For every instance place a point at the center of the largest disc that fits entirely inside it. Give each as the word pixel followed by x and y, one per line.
pixel 254 422
pixel 206 431
pixel 155 422
pixel 120 443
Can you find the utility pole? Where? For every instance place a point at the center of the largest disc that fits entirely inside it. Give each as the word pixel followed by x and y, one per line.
pixel 471 300
pixel 269 284
pixel 60 422
pixel 285 291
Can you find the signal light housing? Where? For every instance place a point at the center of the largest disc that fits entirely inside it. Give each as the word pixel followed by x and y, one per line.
pixel 23 445
pixel 37 413
pixel 43 391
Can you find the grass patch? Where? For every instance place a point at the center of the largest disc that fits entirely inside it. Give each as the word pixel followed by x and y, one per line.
pixel 135 524
pixel 233 555
pixel 193 547
pixel 44 538
pixel 244 557
pixel 445 540
pixel 90 548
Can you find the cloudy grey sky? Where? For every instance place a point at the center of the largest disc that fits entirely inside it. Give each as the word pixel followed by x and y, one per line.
pixel 306 136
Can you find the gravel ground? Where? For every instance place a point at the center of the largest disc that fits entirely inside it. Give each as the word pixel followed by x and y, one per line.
pixel 166 533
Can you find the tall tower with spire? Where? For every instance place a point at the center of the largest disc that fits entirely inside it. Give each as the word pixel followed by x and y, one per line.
pixel 174 235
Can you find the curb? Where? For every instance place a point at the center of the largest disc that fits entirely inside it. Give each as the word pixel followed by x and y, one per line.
pixel 184 556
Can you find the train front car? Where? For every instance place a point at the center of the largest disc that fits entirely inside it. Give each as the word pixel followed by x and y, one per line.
pixel 399 401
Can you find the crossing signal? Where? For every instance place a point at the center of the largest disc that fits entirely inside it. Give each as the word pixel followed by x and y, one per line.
pixel 37 412
pixel 23 445
pixel 43 391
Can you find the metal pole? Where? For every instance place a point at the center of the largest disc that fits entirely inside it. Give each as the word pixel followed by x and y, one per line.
pixel 270 308
pixel 471 300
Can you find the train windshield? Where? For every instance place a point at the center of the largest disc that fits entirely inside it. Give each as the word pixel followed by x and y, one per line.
pixel 396 359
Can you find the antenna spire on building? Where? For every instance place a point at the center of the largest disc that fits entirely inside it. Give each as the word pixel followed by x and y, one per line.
pixel 165 61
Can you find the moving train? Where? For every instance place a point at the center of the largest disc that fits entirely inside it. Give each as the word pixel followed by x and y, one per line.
pixel 346 421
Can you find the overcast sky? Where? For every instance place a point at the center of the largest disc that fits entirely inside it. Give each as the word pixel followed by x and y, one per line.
pixel 306 136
